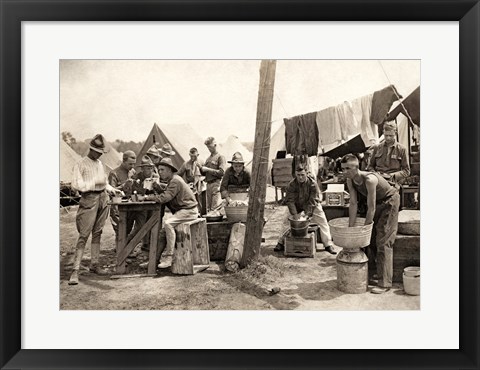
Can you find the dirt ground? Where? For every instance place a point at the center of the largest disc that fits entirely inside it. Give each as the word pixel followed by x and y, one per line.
pixel 305 283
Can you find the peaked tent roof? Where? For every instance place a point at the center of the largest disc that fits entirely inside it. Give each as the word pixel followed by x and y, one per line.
pixel 112 159
pixel 180 137
pixel 233 145
pixel 68 158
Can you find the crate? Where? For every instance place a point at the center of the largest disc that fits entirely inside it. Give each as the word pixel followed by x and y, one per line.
pixel 301 247
pixel 218 238
pixel 406 252
pixel 335 195
pixel 236 214
pixel 191 253
pixel 282 172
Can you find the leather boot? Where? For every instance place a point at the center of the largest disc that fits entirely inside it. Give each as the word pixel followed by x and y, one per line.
pixel 94 261
pixel 98 270
pixel 78 259
pixel 73 278
pixel 165 262
pixel 94 254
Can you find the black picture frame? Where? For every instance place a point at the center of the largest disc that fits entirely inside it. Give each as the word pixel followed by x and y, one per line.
pixel 13 12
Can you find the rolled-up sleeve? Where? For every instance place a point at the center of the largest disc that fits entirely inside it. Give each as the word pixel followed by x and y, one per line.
pixel 290 198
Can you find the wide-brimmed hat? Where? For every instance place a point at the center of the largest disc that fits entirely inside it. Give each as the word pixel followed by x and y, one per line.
pixel 98 144
pixel 153 151
pixel 167 149
pixel 168 162
pixel 237 158
pixel 146 161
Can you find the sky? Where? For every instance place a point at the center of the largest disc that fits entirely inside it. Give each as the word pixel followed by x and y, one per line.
pixel 122 99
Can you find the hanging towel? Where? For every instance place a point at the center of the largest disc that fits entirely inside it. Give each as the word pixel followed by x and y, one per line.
pixel 291 126
pixel 348 124
pixel 328 126
pixel 402 129
pixel 382 102
pixel 362 108
pixel 308 135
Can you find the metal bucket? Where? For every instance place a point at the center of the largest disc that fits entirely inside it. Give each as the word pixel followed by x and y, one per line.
pixel 298 228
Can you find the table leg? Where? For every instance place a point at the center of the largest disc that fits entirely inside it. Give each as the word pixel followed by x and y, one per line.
pixel 122 240
pixel 152 256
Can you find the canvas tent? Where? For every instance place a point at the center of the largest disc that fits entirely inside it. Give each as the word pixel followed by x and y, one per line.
pixel 233 145
pixel 180 137
pixel 68 158
pixel 111 159
pixel 355 145
pixel 411 104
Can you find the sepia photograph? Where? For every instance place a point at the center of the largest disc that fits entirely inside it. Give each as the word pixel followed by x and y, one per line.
pixel 239 185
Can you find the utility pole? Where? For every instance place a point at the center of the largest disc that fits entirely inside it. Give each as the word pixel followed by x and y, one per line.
pixel 258 184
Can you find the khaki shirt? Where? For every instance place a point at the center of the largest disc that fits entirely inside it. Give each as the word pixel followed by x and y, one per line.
pixel 394 164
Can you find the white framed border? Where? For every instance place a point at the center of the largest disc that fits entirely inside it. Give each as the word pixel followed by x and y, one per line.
pixel 43 44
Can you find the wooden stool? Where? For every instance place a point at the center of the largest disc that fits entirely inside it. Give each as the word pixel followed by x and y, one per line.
pixel 191 253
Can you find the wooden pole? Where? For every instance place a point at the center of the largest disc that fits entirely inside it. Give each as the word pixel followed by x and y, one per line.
pixel 258 185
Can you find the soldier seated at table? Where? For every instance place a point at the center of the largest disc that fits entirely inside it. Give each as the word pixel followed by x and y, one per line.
pixel 142 184
pixel 121 179
pixel 180 200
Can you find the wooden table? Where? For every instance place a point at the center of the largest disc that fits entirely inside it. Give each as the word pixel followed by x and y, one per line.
pixel 152 225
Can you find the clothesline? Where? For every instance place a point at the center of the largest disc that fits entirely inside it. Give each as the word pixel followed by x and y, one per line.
pixel 310 133
pixel 399 97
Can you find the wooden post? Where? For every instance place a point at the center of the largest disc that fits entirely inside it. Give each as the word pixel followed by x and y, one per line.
pixel 258 185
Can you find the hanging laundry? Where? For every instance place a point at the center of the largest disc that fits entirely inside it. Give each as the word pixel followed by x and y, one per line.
pixel 328 124
pixel 362 108
pixel 348 124
pixel 382 102
pixel 291 126
pixel 308 134
pixel 301 134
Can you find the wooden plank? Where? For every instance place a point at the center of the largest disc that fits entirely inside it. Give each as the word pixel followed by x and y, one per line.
pixel 282 178
pixel 121 241
pixel 283 162
pixel 138 236
pixel 263 126
pixel 199 268
pixel 134 276
pixel 282 185
pixel 282 172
